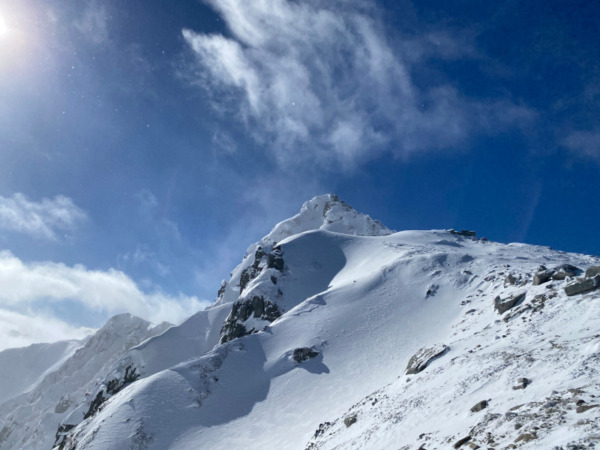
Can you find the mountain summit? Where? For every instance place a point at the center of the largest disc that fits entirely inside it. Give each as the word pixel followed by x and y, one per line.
pixel 327 212
pixel 335 332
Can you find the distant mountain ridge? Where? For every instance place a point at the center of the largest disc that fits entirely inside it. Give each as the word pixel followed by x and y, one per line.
pixel 336 332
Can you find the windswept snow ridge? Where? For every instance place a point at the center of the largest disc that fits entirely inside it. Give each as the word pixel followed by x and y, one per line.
pixel 335 333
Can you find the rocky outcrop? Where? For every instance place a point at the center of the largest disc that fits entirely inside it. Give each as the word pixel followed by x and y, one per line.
pixel 480 406
pixel 256 307
pixel 251 272
pixel 504 304
pixel 420 360
pixel 464 233
pixel 303 354
pixel 262 259
pixel 522 383
pixel 542 276
pixel 95 404
pixel 582 286
pixel 350 420
pixel 558 273
pixel 275 259
pixel 565 270
pixel 592 271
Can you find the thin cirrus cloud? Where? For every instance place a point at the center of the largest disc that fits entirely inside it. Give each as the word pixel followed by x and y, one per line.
pixel 320 82
pixel 585 144
pixel 42 285
pixel 44 219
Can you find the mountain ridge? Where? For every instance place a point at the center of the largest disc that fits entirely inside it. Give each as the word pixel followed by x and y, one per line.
pixel 308 343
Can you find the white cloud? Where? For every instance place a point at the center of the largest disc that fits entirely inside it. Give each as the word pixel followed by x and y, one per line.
pixel 24 285
pixel 584 143
pixel 320 83
pixel 43 219
pixel 20 330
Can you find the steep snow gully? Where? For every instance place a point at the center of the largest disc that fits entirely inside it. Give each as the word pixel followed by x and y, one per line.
pixel 336 332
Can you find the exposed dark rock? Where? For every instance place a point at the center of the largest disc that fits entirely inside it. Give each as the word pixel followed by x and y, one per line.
pixel 465 233
pixel 503 305
pixel 61 434
pixel 321 430
pixel 583 408
pixel 582 286
pixel 479 406
pixel 592 271
pixel 462 442
pixel 275 259
pixel 431 290
pixel 131 375
pixel 272 260
pixel 245 277
pixel 542 276
pixel 222 288
pixel 273 279
pixel 565 270
pixel 510 279
pixel 420 360
pixel 95 405
pixel 303 354
pixel 350 420
pixel 115 385
pixel 522 383
pixel 256 307
pixel 252 271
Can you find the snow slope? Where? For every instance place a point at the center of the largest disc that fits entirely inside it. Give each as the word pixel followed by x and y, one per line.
pixel 362 301
pixel 22 368
pixel 71 371
pixel 308 343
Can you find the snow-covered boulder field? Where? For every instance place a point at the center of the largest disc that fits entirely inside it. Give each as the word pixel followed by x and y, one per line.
pixel 336 332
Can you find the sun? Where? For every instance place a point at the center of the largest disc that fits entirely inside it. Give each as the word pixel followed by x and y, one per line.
pixel 4 30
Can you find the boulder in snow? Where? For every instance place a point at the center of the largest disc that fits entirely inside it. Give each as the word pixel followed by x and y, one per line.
pixel 502 305
pixel 565 270
pixel 420 360
pixel 542 276
pixel 350 420
pixel 303 354
pixel 592 271
pixel 522 383
pixel 583 286
pixel 479 406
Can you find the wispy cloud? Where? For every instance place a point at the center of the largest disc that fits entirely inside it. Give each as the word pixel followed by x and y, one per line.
pixel 43 219
pixel 321 82
pixel 585 144
pixel 24 285
pixel 22 329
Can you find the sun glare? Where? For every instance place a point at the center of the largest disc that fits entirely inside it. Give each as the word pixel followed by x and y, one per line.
pixel 4 30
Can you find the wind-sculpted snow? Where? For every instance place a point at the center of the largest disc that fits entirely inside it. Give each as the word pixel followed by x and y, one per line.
pixel 30 420
pixel 354 302
pixel 363 305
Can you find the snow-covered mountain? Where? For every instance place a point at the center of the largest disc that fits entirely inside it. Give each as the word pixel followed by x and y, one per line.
pixel 335 332
pixel 47 383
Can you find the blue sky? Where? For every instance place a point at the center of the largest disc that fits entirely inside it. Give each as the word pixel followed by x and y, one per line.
pixel 145 144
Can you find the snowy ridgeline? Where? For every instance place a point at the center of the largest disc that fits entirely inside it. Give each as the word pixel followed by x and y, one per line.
pixel 335 332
